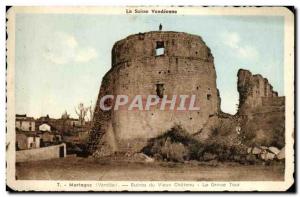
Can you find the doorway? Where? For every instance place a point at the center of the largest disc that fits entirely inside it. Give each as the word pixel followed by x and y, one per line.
pixel 61 151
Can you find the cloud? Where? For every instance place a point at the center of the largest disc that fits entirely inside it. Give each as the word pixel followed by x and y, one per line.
pixel 86 54
pixel 63 48
pixel 233 41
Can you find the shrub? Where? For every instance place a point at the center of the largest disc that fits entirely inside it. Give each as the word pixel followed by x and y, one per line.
pixel 173 145
pixel 178 145
pixel 174 152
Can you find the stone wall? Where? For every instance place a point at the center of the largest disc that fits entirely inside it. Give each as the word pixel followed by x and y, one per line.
pixel 176 44
pixel 263 111
pixel 185 68
pixel 50 152
pixel 252 90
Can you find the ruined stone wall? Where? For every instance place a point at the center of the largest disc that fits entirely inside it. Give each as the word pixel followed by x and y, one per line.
pixel 260 120
pixel 100 139
pixel 263 111
pixel 185 68
pixel 253 90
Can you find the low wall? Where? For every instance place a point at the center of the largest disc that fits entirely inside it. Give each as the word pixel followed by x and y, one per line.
pixel 44 153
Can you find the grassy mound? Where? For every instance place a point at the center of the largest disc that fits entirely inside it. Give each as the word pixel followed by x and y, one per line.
pixel 178 145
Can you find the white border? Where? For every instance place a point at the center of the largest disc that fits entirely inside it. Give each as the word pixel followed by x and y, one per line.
pixel 289 91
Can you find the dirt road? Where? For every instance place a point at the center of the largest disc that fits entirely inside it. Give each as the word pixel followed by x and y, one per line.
pixel 89 169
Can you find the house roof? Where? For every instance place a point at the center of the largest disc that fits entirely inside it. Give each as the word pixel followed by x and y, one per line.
pixel 28 133
pixel 45 124
pixel 23 117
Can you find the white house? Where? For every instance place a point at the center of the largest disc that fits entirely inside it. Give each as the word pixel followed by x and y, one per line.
pixel 25 123
pixel 44 127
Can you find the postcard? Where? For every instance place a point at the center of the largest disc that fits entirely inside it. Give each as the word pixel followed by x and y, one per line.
pixel 150 99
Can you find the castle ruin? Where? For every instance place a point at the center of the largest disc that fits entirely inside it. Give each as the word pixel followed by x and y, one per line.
pixel 164 63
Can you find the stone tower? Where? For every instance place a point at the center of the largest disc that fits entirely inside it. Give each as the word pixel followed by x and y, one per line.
pixel 157 62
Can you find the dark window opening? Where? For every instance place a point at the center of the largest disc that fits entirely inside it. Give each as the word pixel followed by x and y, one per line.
pixel 197 87
pixel 160 48
pixel 176 60
pixel 208 96
pixel 17 146
pixel 160 44
pixel 61 151
pixel 160 90
pixel 42 143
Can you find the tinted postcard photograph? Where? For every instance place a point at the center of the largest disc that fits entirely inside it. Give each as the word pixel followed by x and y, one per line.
pixel 150 99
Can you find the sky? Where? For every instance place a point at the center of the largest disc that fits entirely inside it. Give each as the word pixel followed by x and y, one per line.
pixel 61 58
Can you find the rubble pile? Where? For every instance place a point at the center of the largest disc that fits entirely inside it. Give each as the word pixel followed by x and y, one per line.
pixel 267 153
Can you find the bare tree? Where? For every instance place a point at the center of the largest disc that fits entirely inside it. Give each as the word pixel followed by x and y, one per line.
pixel 91 112
pixel 81 111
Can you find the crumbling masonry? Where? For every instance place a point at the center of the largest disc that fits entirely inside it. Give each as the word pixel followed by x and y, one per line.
pixel 166 63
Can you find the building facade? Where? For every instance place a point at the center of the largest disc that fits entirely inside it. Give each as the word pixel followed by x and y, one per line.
pixel 25 123
pixel 26 140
